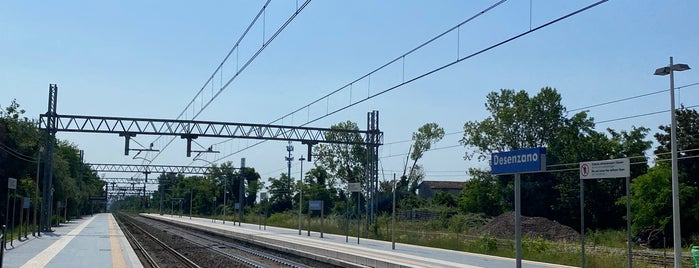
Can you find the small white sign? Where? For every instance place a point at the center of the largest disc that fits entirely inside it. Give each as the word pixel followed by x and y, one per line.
pixel 355 187
pixel 605 169
pixel 11 183
pixel 263 196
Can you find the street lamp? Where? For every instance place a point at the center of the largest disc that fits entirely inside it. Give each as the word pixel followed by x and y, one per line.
pixel 676 235
pixel 301 192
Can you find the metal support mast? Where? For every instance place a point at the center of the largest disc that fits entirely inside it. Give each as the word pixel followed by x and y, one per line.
pixel 372 168
pixel 50 140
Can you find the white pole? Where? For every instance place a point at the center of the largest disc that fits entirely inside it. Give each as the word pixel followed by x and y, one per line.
pixel 676 234
pixel 518 220
pixel 628 219
pixel 300 193
pixel 582 223
pixel 393 215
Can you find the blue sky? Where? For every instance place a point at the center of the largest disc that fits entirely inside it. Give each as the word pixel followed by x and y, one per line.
pixel 149 59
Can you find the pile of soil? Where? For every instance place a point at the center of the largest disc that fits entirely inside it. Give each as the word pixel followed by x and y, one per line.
pixel 503 226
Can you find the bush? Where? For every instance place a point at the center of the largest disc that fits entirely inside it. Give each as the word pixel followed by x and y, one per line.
pixel 488 243
pixel 539 245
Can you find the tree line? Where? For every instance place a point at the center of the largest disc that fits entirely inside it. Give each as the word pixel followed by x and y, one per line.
pixel 516 121
pixel 21 152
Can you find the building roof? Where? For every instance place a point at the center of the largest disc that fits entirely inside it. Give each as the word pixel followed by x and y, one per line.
pixel 457 185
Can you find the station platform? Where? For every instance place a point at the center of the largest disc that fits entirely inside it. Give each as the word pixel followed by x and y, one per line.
pixel 365 253
pixel 93 241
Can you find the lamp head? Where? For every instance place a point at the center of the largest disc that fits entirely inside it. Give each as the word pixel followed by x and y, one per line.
pixel 675 67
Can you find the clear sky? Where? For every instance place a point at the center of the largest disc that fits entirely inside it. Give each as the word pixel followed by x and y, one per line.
pixel 149 59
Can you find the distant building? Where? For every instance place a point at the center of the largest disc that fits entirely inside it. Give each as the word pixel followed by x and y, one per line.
pixel 427 189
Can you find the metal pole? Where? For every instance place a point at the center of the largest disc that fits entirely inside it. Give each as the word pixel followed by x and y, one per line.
pixel 2 247
pixel 582 223
pixel 7 216
pixel 14 212
pixel 190 204
pixel 300 193
pixel 359 218
pixel 36 194
pixel 628 219
pixel 393 215
pixel 160 192
pixel 225 182
pixel 676 233
pixel 241 192
pixel 518 220
pixel 347 204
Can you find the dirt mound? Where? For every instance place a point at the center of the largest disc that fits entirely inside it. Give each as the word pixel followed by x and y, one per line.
pixel 503 226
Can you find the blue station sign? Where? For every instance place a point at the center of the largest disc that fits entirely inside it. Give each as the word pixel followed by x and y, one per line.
pixel 519 161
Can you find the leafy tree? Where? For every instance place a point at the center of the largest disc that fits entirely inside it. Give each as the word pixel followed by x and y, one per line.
pixel 651 199
pixel 317 189
pixel 444 199
pixel 279 193
pixel 687 165
pixel 518 121
pixel 345 162
pixel 423 139
pixel 481 194
pixel 252 185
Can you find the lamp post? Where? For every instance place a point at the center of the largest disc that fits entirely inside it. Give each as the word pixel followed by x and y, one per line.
pixel 301 192
pixel 676 234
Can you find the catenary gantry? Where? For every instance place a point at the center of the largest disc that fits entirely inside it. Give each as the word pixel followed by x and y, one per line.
pixel 51 122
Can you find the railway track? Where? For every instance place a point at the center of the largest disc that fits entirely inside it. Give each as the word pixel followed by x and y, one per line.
pixel 156 253
pixel 204 249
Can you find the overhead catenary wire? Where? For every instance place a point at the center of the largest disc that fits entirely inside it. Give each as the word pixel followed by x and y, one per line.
pixel 434 70
pixel 630 98
pixel 350 84
pixel 240 69
pixel 598 105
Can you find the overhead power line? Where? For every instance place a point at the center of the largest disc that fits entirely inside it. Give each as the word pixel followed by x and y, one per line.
pixel 239 69
pixel 405 82
pixel 630 98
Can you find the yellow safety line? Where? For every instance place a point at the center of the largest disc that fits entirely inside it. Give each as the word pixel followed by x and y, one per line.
pixel 117 256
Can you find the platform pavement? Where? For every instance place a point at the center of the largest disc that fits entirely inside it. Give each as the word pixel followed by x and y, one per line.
pixel 406 255
pixel 93 241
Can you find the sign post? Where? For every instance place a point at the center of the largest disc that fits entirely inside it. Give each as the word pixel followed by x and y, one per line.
pixel 605 169
pixel 529 160
pixel 356 187
pixel 25 206
pixel 11 185
pixel 263 196
pixel 315 205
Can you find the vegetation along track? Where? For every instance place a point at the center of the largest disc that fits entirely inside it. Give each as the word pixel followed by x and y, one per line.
pixel 203 249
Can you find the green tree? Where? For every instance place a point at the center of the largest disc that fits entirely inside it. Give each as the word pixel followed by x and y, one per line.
pixel 423 139
pixel 687 165
pixel 279 193
pixel 317 189
pixel 345 162
pixel 481 194
pixel 444 199
pixel 518 121
pixel 651 199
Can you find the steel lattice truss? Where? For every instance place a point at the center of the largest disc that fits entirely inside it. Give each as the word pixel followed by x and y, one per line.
pixel 187 128
pixel 136 181
pixel 149 168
